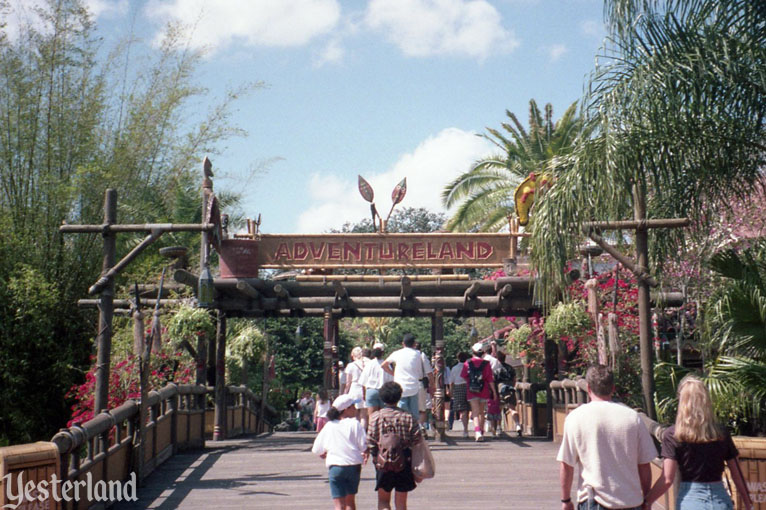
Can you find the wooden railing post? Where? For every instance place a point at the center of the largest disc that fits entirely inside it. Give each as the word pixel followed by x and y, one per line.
pixel 173 406
pixel 219 430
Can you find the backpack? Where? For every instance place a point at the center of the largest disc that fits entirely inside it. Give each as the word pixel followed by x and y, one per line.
pixel 390 451
pixel 507 375
pixel 476 376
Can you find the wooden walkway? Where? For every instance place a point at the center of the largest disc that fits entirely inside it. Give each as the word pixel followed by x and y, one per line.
pixel 278 471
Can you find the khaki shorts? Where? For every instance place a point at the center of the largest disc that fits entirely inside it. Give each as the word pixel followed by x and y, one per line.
pixel 422 400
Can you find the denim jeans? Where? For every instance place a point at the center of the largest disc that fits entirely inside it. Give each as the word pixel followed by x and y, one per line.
pixel 410 404
pixel 703 496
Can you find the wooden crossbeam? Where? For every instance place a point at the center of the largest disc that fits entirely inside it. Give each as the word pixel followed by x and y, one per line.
pixel 379 278
pixel 144 227
pixel 247 289
pixel 406 292
pixel 281 292
pixel 503 292
pixel 127 259
pixel 640 273
pixel 638 224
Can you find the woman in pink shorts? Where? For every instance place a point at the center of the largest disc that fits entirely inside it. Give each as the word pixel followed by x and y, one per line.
pixel 481 387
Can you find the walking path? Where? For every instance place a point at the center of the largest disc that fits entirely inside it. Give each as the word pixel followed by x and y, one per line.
pixel 278 471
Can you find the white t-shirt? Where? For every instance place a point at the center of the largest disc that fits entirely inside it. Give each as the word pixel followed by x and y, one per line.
pixel 494 363
pixel 322 408
pixel 353 371
pixel 455 377
pixel 447 375
pixel 409 368
pixel 373 377
pixel 608 441
pixel 344 441
pixel 426 363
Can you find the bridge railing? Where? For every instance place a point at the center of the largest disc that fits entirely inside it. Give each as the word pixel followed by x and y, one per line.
pixel 243 415
pixel 532 415
pixel 108 447
pixel 566 395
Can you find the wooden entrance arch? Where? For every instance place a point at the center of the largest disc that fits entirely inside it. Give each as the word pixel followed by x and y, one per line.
pixel 240 290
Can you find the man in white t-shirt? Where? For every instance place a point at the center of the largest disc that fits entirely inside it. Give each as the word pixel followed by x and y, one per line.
pixel 611 446
pixel 406 365
pixel 494 363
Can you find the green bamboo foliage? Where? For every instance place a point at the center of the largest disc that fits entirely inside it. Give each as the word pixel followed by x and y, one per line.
pixel 76 119
pixel 484 194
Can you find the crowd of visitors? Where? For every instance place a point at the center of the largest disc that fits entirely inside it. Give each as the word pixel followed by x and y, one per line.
pixel 369 369
pixel 605 440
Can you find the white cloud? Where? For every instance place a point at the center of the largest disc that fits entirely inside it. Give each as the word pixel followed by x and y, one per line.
pixel 556 51
pixel 107 8
pixel 23 13
pixel 592 28
pixel 280 23
pixel 422 28
pixel 333 53
pixel 433 164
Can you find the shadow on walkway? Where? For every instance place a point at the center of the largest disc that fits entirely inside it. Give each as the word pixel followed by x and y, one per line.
pixel 278 471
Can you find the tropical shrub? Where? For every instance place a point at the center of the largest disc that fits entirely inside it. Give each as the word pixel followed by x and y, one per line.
pixel 190 323
pixel 568 323
pixel 124 381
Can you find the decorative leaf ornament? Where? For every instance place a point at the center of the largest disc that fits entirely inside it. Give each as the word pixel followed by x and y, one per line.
pixel 399 191
pixel 366 190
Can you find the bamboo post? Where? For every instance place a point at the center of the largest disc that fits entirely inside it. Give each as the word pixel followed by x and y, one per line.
pixel 329 369
pixel 201 359
pixel 644 305
pixel 266 369
pixel 439 396
pixel 614 340
pixel 681 332
pixel 514 228
pixel 209 363
pixel 593 307
pixel 106 308
pixel 140 342
pixel 219 428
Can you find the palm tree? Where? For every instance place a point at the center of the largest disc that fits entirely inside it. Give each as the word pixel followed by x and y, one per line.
pixel 737 327
pixel 677 112
pixel 485 192
pixel 735 371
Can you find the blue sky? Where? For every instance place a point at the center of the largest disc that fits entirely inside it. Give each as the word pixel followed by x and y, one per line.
pixel 381 88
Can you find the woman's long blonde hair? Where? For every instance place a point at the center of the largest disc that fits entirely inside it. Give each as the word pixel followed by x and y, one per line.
pixel 356 353
pixel 695 422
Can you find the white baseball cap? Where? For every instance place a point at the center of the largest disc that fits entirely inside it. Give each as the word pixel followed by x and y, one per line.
pixel 478 347
pixel 344 401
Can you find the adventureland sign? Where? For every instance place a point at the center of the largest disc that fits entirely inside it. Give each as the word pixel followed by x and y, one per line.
pixel 241 258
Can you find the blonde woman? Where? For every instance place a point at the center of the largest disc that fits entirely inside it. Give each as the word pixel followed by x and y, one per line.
pixel 353 387
pixel 697 447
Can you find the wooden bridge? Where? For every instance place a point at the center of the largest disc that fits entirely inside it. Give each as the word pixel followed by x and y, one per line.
pixel 279 471
pixel 254 467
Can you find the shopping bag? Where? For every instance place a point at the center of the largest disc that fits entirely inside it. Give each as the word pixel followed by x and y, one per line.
pixel 423 465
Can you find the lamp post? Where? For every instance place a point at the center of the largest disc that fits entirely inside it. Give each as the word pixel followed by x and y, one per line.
pixel 206 289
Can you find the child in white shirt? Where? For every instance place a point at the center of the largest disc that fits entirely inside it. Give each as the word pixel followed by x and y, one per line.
pixel 343 444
